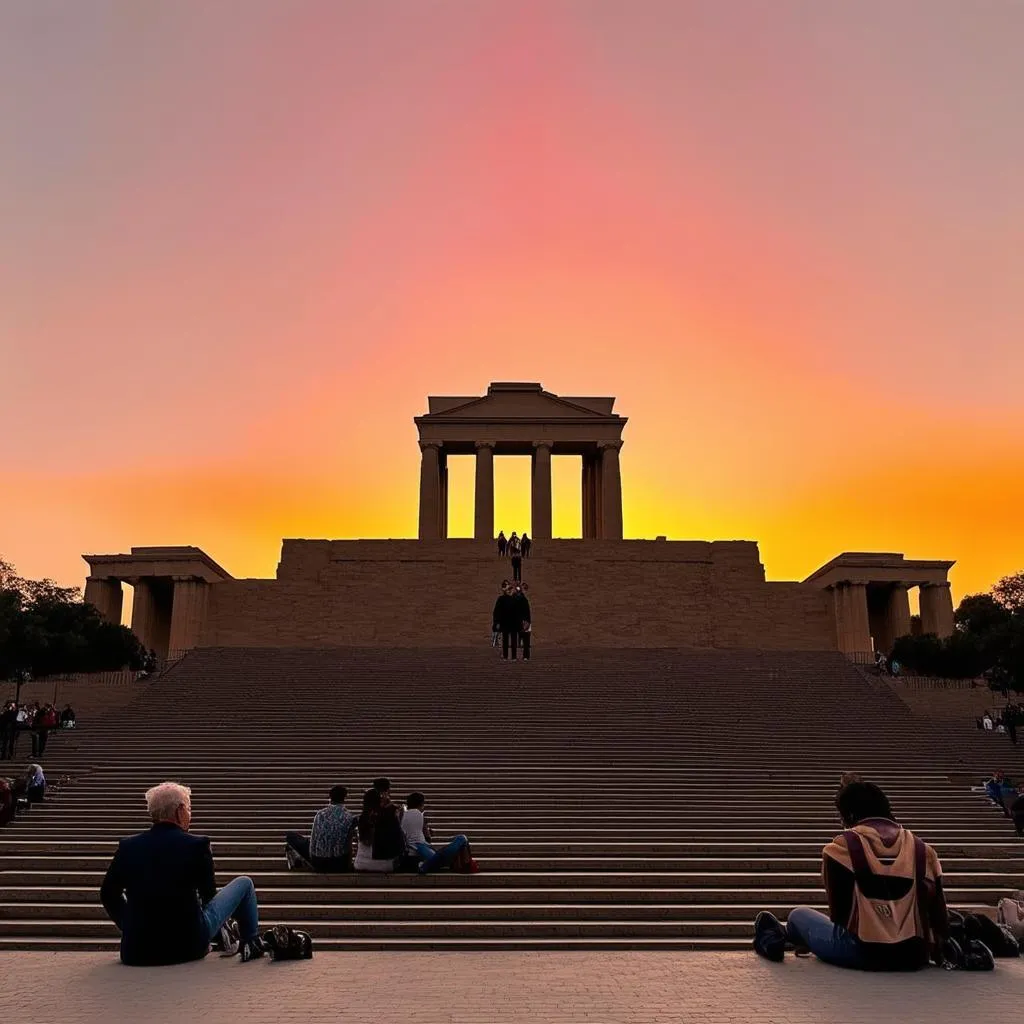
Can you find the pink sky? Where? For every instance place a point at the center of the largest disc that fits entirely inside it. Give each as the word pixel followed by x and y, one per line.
pixel 242 241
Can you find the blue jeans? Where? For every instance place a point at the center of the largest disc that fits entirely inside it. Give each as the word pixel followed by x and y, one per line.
pixel 440 858
pixel 829 942
pixel 238 900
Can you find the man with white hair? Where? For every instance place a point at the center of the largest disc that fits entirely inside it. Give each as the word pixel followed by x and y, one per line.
pixel 159 890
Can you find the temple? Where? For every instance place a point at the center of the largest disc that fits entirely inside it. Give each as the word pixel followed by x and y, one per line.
pixel 597 591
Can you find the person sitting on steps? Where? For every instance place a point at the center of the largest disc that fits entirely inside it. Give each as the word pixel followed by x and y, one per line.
pixel 886 906
pixel 160 892
pixel 367 849
pixel 329 846
pixel 416 831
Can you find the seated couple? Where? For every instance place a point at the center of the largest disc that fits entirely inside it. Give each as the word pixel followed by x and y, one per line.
pixel 384 837
pixel 886 908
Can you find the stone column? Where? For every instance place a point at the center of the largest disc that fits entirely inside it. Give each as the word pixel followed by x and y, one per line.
pixel 144 611
pixel 937 609
pixel 853 634
pixel 611 490
pixel 540 496
pixel 443 468
pixel 483 505
pixel 587 497
pixel 188 612
pixel 107 597
pixel 430 490
pixel 897 617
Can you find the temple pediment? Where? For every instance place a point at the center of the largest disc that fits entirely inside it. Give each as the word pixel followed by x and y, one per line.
pixel 514 401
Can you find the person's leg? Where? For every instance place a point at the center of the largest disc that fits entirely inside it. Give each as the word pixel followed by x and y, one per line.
pixel 504 644
pixel 434 859
pixel 829 942
pixel 514 637
pixel 238 900
pixel 526 646
pixel 44 735
pixel 300 844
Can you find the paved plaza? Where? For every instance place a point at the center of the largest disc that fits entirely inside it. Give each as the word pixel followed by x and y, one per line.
pixel 481 988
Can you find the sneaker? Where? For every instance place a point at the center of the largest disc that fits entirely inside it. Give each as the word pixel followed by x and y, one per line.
pixel 294 860
pixel 472 867
pixel 252 949
pixel 769 937
pixel 229 938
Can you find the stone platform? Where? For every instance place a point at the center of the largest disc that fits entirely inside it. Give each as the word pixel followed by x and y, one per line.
pixel 496 988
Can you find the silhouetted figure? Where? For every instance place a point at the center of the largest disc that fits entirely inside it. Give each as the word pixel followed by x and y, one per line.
pixel 495 621
pixel 505 611
pixel 8 730
pixel 522 606
pixel 515 552
pixel 525 543
pixel 502 544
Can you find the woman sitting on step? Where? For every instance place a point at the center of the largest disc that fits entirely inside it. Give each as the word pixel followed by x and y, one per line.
pixel 373 852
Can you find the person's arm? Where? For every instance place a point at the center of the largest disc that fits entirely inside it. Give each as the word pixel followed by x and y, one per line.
pixel 838 882
pixel 206 884
pixel 112 890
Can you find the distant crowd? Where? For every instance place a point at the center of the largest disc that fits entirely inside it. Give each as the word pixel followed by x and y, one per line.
pixel 511 620
pixel 515 549
pixel 39 720
pixel 1003 720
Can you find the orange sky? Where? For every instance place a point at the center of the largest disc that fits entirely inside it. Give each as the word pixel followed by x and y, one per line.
pixel 238 253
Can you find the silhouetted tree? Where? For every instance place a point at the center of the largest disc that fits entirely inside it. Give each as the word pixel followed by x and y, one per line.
pixel 46 629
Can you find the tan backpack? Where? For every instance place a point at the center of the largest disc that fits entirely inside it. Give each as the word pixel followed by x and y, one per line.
pixel 886 910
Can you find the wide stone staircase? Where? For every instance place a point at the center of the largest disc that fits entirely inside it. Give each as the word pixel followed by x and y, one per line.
pixel 614 799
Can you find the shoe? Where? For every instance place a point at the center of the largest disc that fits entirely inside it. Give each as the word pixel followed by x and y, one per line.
pixel 229 938
pixel 252 949
pixel 422 867
pixel 472 867
pixel 294 860
pixel 769 937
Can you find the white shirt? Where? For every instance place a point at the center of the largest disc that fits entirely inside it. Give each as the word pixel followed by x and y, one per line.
pixel 365 861
pixel 987 722
pixel 412 829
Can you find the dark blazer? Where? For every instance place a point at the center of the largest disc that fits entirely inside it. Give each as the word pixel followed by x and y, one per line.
pixel 522 608
pixel 155 890
pixel 505 612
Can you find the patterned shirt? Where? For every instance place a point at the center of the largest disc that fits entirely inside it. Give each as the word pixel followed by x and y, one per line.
pixel 332 830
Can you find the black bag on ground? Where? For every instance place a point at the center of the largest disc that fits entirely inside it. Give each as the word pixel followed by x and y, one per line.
pixel 997 937
pixel 284 943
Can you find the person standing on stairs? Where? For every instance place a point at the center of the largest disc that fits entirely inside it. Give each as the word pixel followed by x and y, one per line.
pixel 525 543
pixel 504 617
pixel 502 544
pixel 523 618
pixel 515 552
pixel 495 615
pixel 160 891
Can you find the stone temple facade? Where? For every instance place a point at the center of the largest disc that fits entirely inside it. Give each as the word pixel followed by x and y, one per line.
pixel 599 590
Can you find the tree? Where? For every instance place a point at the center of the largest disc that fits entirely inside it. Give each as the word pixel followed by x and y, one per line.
pixel 1009 592
pixel 46 629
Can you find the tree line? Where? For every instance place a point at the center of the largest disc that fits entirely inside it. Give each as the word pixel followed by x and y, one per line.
pixel 46 629
pixel 987 640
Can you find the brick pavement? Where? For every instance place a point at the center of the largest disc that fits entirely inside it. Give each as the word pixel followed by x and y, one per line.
pixel 486 988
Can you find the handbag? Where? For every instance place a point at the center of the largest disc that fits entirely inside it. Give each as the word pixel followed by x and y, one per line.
pixel 1010 912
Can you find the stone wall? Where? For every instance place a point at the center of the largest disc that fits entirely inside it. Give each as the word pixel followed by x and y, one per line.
pixel 583 593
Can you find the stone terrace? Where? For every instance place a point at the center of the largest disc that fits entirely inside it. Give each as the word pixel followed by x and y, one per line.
pixel 615 799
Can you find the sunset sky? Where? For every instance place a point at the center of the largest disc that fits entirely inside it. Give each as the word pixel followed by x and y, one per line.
pixel 242 240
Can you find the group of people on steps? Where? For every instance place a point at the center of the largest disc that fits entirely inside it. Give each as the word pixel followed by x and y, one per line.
pixel 515 548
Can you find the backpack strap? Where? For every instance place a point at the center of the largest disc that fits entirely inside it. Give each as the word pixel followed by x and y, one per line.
pixel 921 883
pixel 858 859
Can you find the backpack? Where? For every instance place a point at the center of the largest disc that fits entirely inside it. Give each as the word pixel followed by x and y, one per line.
pixel 284 943
pixel 1010 912
pixel 997 937
pixel 886 910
